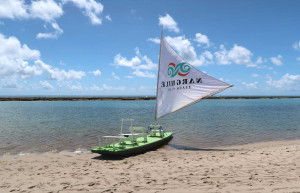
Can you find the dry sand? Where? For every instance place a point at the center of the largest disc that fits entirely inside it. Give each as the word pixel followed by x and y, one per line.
pixel 264 167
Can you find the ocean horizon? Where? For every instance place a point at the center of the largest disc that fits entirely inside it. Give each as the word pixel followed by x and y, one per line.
pixel 125 97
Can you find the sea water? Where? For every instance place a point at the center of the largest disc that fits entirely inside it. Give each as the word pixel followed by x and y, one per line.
pixel 43 126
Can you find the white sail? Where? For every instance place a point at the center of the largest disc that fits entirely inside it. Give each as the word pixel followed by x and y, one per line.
pixel 179 84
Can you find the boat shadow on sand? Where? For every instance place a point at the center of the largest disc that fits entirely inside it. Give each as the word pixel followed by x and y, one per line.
pixel 177 147
pixel 117 157
pixel 183 147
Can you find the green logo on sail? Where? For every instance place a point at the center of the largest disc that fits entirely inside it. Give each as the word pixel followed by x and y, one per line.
pixel 182 69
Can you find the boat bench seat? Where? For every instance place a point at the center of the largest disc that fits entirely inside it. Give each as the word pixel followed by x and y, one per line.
pixel 110 140
pixel 129 137
pixel 153 129
pixel 140 131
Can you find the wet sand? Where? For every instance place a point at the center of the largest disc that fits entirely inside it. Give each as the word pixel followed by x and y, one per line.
pixel 260 167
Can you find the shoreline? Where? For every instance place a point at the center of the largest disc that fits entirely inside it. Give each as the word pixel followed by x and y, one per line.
pixel 167 148
pixel 130 98
pixel 259 167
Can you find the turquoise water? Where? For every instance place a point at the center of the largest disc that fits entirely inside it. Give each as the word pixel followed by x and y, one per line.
pixel 28 127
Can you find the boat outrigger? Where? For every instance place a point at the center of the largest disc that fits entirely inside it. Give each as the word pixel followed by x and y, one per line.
pixel 135 142
pixel 179 85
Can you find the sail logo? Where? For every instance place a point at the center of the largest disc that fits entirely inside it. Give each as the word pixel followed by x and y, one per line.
pixel 182 69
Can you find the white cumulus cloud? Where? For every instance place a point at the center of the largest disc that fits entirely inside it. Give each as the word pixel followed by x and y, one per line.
pixel 46 85
pixel 168 23
pixel 9 82
pixel 15 57
pixel 57 74
pixel 201 39
pixel 53 35
pixel 222 56
pixel 18 61
pixel 205 58
pixel 260 60
pixel 96 72
pixel 49 11
pixel 46 10
pixel 115 76
pixel 277 60
pixel 238 55
pixel 123 61
pixel 185 49
pixel 154 40
pixel 13 9
pixel 108 17
pixel 183 46
pixel 91 9
pixel 138 63
pixel 144 74
pixel 251 85
pixel 296 45
pixel 286 82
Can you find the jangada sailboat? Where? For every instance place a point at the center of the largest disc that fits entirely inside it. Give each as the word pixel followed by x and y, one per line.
pixel 179 85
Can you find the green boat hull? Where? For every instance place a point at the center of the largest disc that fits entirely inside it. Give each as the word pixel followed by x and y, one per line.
pixel 136 148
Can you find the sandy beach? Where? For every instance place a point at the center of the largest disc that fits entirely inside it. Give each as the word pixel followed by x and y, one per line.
pixel 260 167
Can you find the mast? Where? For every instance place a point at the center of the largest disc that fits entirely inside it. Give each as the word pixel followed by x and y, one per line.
pixel 161 36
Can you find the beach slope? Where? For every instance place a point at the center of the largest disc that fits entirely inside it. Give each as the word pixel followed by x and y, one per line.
pixel 262 167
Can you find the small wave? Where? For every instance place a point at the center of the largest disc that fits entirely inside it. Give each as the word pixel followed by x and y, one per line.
pixel 81 151
pixel 22 154
pixel 77 151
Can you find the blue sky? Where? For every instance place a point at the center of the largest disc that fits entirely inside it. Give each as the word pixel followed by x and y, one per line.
pixel 89 47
